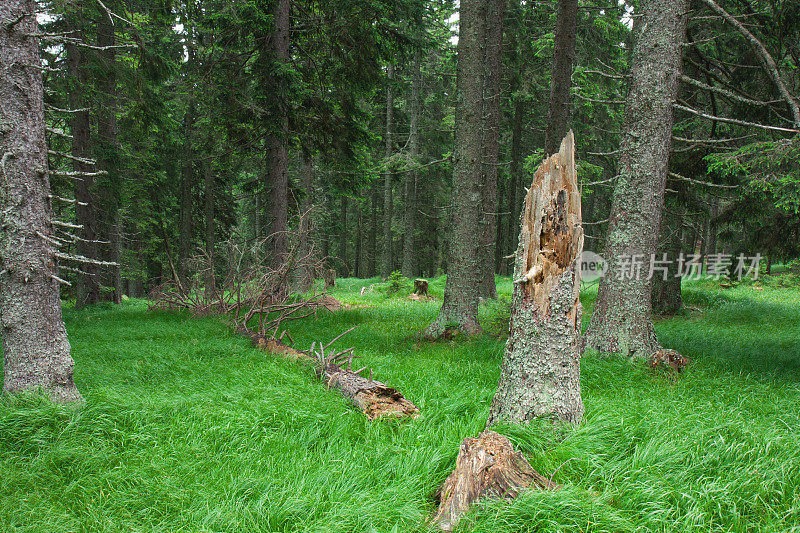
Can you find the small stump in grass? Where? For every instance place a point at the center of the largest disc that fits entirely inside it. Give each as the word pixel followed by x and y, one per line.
pixel 421 287
pixel 667 359
pixel 487 467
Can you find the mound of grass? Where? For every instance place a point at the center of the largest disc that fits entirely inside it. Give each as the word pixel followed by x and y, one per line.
pixel 187 428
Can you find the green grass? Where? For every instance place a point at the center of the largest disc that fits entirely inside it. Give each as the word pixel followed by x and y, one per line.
pixel 187 428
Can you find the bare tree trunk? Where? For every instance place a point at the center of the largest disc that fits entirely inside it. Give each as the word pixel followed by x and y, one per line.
pixel 540 373
pixel 211 228
pixel 561 75
pixel 387 257
pixel 88 284
pixel 343 238
pixel 358 265
pixel 621 322
pixel 36 351
pixel 666 294
pixel 460 305
pixel 278 173
pixel 187 184
pixel 493 76
pixel 410 207
pixel 514 180
pixel 305 278
pixel 109 159
pixel 372 244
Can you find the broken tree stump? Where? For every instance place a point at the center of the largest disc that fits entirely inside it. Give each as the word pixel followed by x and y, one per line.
pixel 421 287
pixel 540 372
pixel 486 467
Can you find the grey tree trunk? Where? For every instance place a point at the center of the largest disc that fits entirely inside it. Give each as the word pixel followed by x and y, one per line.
pixel 343 237
pixel 387 259
pixel 621 322
pixel 540 373
pixel 36 351
pixel 460 306
pixel 666 294
pixel 278 172
pixel 410 215
pixel 515 183
pixel 561 75
pixel 493 76
pixel 88 284
pixel 304 278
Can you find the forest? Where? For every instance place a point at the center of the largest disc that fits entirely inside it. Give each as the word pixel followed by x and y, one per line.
pixel 400 265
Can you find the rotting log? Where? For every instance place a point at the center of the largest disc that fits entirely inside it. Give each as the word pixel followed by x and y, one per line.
pixel 540 372
pixel 487 467
pixel 373 398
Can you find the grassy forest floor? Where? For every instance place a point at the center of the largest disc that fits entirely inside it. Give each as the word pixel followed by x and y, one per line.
pixel 188 428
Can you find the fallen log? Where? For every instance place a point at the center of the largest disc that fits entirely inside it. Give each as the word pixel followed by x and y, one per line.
pixel 487 467
pixel 373 398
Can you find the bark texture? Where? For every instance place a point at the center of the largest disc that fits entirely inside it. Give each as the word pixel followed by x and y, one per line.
pixel 88 284
pixel 621 322
pixel 486 467
pixel 460 306
pixel 36 351
pixel 410 215
pixel 493 76
pixel 561 75
pixel 387 258
pixel 540 373
pixel 277 143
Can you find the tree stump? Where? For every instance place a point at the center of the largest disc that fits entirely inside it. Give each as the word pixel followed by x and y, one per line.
pixel 487 467
pixel 540 373
pixel 421 287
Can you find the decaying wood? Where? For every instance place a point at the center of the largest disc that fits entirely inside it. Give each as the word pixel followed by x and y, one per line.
pixel 421 287
pixel 373 398
pixel 486 467
pixel 540 373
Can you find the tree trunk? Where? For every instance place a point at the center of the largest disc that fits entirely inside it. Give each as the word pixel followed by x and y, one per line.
pixel 358 265
pixel 410 207
pixel 540 373
pixel 666 295
pixel 343 238
pixel 210 227
pixel 561 75
pixel 514 180
pixel 486 467
pixel 387 258
pixel 493 76
pixel 305 277
pixel 36 350
pixel 109 159
pixel 278 173
pixel 187 184
pixel 88 283
pixel 621 322
pixel 372 244
pixel 460 305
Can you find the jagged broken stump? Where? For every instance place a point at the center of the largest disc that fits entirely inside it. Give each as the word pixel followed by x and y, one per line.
pixel 487 467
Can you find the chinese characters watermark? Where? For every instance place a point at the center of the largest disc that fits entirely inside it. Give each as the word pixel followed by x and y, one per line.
pixel 686 266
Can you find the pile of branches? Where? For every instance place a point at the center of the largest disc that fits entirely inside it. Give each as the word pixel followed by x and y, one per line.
pixel 257 289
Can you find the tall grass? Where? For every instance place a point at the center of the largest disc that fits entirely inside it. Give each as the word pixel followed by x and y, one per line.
pixel 187 428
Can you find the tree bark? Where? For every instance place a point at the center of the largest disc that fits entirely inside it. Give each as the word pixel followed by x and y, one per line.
pixel 561 75
pixel 36 350
pixel 109 159
pixel 493 76
pixel 410 208
pixel 187 184
pixel 540 373
pixel 666 293
pixel 515 181
pixel 621 322
pixel 88 284
pixel 305 277
pixel 387 256
pixel 210 227
pixel 277 143
pixel 343 238
pixel 486 467
pixel 460 306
